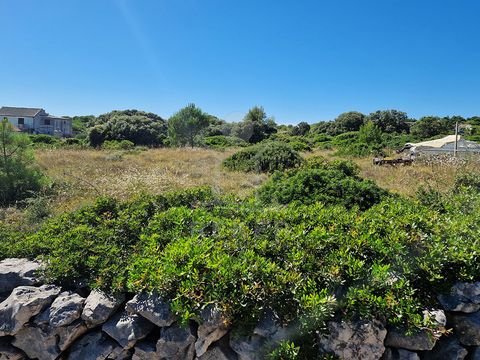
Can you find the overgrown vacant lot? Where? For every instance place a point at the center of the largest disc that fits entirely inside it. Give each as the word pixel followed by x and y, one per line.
pixel 85 174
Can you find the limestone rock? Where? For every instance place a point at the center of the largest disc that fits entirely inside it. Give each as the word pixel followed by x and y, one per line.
pixel 176 343
pixel 93 346
pixel 24 303
pixel 65 309
pixel 419 341
pixel 467 328
pixel 145 350
pixel 45 342
pixel 37 343
pixel 475 353
pixel 399 354
pixel 463 297
pixel 127 329
pixel 17 272
pixel 9 352
pixel 66 335
pixel 361 340
pixel 151 307
pixel 265 336
pixel 219 351
pixel 457 303
pixel 447 348
pixel 99 306
pixel 213 327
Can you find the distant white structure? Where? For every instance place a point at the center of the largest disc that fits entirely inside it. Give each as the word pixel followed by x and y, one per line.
pixel 37 121
pixel 444 145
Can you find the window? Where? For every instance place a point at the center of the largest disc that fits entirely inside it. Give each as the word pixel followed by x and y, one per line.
pixel 21 121
pixel 46 121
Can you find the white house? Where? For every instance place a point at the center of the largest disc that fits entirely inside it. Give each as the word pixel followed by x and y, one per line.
pixel 37 121
pixel 445 145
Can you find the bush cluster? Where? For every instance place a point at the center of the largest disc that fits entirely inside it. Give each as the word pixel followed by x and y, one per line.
pixel 266 157
pixel 320 181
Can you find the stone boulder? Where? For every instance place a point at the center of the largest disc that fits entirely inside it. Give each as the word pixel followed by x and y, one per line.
pixel 17 272
pixel 176 343
pixel 152 308
pixel 463 297
pixel 9 352
pixel 45 342
pixel 447 348
pixel 399 354
pixel 418 341
pixel 93 346
pixel 266 334
pixel 127 329
pixel 212 328
pixel 145 350
pixel 362 340
pixel 467 328
pixel 219 351
pixel 24 303
pixel 65 309
pixel 99 306
pixel 37 343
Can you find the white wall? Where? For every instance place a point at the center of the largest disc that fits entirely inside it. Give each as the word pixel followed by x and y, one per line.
pixel 28 121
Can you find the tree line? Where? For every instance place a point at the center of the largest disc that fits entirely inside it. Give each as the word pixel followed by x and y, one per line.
pixel 191 126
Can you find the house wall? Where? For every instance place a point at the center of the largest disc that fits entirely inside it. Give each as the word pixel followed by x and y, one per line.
pixel 28 122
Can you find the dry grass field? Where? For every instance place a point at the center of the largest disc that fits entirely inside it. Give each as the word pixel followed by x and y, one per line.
pixel 79 176
pixel 82 175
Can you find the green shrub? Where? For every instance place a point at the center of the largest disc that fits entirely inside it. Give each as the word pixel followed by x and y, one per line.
pixel 334 183
pixel 19 177
pixel 44 139
pixel 221 142
pixel 265 157
pixel 118 145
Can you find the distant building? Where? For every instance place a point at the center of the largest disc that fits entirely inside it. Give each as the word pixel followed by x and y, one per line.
pixel 445 145
pixel 37 121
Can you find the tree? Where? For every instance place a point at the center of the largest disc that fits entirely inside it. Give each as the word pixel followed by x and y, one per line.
pixel 186 125
pixel 255 127
pixel 139 127
pixel 370 134
pixel 301 129
pixel 390 121
pixel 349 121
pixel 18 176
pixel 427 127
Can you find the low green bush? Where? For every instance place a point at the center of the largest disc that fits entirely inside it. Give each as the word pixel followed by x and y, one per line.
pixel 304 260
pixel 44 139
pixel 118 145
pixel 221 142
pixel 265 157
pixel 318 181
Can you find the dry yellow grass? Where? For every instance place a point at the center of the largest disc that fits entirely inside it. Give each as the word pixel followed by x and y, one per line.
pixel 82 175
pixel 406 180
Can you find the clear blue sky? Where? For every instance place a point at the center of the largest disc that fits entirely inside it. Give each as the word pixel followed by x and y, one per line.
pixel 305 60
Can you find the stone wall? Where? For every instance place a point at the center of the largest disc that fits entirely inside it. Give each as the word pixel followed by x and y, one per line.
pixel 44 322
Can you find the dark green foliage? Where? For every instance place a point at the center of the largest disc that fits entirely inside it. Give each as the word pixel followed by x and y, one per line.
pixel 222 142
pixel 255 126
pixel 44 139
pixel 390 121
pixel 118 145
pixel 265 157
pixel 332 183
pixel 349 121
pixel 139 127
pixel 301 129
pixel 185 125
pixel 430 126
pixel 19 178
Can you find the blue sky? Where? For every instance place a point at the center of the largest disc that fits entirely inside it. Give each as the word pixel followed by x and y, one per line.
pixel 306 60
